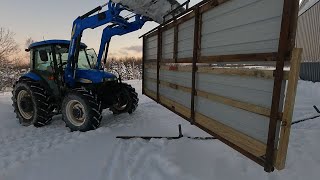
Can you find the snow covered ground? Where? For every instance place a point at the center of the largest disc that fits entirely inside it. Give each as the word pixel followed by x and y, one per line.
pixel 53 152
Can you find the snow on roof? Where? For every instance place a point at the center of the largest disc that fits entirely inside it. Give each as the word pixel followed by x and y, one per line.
pixel 307 6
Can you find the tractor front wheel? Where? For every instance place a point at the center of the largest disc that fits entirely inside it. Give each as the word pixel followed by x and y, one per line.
pixel 81 110
pixel 127 100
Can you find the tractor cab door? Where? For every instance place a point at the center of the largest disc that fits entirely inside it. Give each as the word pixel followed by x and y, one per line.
pixel 44 65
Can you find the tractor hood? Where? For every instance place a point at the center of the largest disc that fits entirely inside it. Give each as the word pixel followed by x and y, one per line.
pixel 94 76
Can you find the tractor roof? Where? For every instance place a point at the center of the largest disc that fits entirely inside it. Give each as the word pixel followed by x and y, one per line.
pixel 51 42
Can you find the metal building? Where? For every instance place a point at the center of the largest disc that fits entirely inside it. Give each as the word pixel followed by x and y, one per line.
pixel 308 38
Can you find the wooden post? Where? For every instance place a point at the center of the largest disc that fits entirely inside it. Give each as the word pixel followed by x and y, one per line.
pixel 196 45
pixel 143 62
pixel 159 56
pixel 285 47
pixel 175 43
pixel 288 109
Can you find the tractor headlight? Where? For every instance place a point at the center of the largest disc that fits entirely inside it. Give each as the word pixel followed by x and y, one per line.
pixel 85 81
pixel 110 79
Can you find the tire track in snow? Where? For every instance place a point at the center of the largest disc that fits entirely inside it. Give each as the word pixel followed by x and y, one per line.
pixel 29 142
pixel 139 159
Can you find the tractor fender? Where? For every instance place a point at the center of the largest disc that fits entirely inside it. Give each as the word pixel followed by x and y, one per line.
pixel 32 76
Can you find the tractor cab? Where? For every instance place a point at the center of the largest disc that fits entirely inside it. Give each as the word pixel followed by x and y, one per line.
pixel 48 60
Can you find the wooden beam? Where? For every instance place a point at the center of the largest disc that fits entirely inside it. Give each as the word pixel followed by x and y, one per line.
pixel 196 54
pixel 220 99
pixel 174 86
pixel 234 103
pixel 211 4
pixel 290 10
pixel 175 106
pixel 159 57
pixel 239 57
pixel 288 109
pixel 150 93
pixel 245 72
pixel 184 60
pixel 243 141
pixel 175 43
pixel 143 62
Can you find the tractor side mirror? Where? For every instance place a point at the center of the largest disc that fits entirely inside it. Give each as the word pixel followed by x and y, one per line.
pixel 44 55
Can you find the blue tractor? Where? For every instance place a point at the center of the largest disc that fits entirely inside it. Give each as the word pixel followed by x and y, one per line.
pixel 68 78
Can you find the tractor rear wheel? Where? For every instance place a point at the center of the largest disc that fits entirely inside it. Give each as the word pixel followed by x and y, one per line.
pixel 127 100
pixel 32 103
pixel 81 110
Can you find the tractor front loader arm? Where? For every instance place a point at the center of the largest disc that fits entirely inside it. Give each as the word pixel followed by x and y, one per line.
pixel 118 26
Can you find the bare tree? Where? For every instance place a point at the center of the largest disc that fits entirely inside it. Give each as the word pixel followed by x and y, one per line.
pixel 28 42
pixel 8 45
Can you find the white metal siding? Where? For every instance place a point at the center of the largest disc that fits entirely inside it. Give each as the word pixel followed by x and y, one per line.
pixel 242 27
pixel 167 44
pixel 308 34
pixel 186 39
pixel 179 78
pixel 151 48
pixel 251 124
pixel 178 96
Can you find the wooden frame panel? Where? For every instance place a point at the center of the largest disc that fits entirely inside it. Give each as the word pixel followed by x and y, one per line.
pixel 268 155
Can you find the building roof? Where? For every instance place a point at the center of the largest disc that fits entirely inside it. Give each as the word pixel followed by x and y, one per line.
pixel 306 5
pixel 48 42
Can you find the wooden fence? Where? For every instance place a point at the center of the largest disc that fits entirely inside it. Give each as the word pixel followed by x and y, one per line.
pixel 247 109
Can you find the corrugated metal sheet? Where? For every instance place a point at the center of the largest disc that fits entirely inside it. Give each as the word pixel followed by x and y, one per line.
pixel 242 27
pixel 310 71
pixel 185 39
pixel 151 48
pixel 306 5
pixel 308 34
pixel 167 44
pixel 251 124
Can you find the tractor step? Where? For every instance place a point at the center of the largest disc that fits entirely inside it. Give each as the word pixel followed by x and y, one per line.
pixel 169 138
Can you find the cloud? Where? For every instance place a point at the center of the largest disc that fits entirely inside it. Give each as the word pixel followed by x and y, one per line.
pixel 137 48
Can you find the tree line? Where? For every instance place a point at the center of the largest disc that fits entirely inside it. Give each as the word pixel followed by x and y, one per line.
pixel 13 64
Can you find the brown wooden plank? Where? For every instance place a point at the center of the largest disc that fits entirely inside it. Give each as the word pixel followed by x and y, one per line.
pixel 173 86
pixel 150 93
pixel 175 43
pixel 290 11
pixel 143 62
pixel 258 73
pixel 243 141
pixel 211 4
pixel 234 103
pixel 176 106
pixel 258 160
pixel 184 60
pixel 150 60
pixel 239 57
pixel 288 109
pixel 216 98
pixel 159 57
pixel 196 54
pixel 167 60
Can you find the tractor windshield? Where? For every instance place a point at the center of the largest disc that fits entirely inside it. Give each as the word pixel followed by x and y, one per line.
pixel 87 58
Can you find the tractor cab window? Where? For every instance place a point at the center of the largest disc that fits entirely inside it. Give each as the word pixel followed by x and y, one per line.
pixel 87 59
pixel 43 58
pixel 92 56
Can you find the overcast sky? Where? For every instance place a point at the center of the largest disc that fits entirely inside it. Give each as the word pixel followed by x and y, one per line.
pixel 52 19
